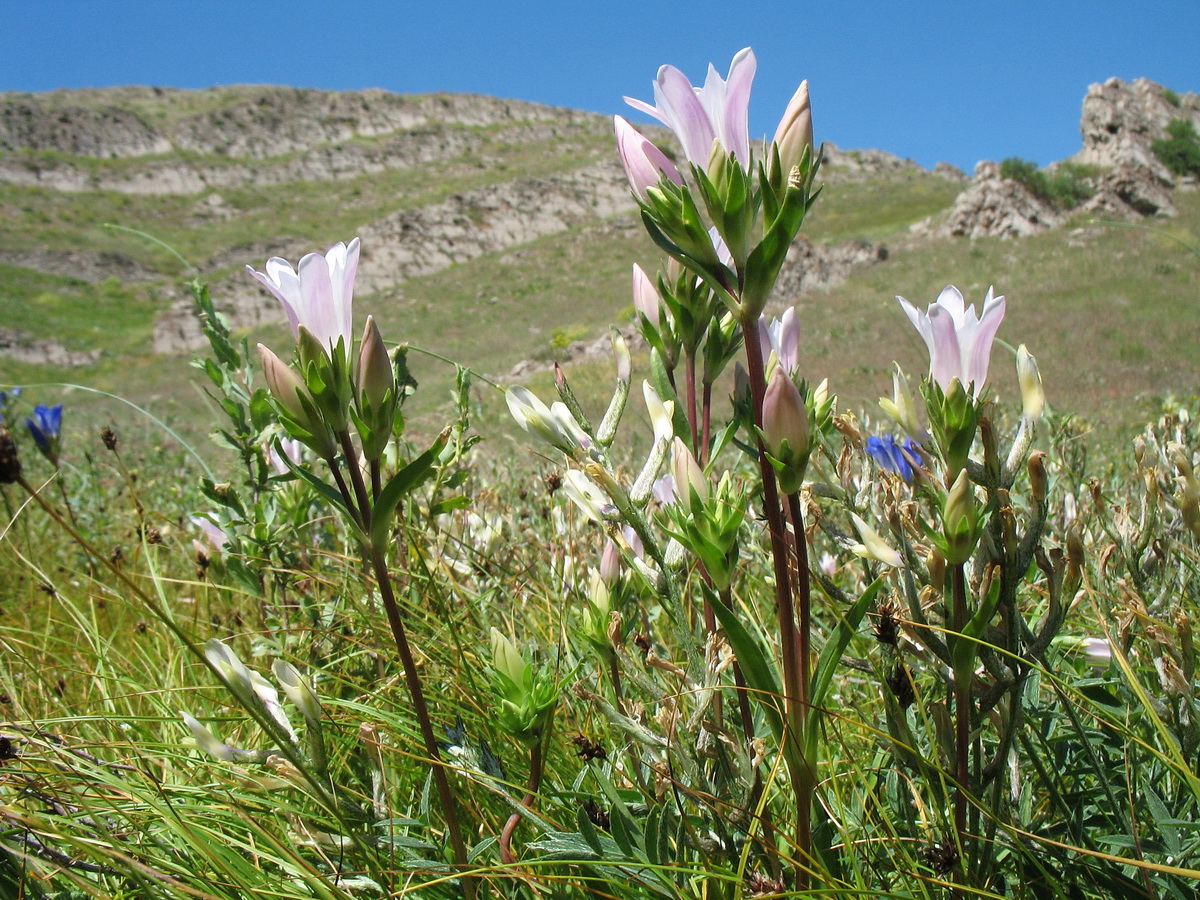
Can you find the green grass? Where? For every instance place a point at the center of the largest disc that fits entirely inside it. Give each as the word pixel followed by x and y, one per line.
pixel 879 209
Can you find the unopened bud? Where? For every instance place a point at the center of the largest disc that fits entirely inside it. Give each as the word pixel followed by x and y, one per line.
pixel 1033 396
pixel 284 384
pixel 960 519
pixel 689 477
pixel 785 429
pixel 610 563
pixel 795 131
pixel 376 379
pixel 1037 475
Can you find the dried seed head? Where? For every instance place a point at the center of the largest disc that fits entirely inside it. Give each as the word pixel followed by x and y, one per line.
pixel 10 463
pixel 109 438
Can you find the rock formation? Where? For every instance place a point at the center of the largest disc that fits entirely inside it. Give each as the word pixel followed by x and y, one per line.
pixel 1119 124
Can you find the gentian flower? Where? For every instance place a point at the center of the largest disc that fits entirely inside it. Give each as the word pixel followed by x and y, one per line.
pixel 554 424
pixel 795 131
pixel 718 111
pixel 44 428
pixel 644 163
pixel 959 342
pixel 781 336
pixel 320 295
pixel 895 456
pixel 646 299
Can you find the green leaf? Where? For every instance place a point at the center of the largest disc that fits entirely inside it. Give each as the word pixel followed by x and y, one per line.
pixel 755 664
pixel 400 484
pixel 835 646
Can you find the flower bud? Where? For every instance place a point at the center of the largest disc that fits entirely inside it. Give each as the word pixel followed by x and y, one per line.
pixel 644 163
pixel 610 563
pixel 689 477
pixel 873 546
pixel 297 689
pixel 507 659
pixel 901 407
pixel 960 520
pixel 646 300
pixel 375 376
pixel 795 131
pixel 1033 397
pixel 624 364
pixel 785 429
pixel 285 385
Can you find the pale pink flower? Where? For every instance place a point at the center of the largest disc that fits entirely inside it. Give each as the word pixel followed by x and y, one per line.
pixel 959 342
pixel 782 337
pixel 719 111
pixel 644 163
pixel 320 295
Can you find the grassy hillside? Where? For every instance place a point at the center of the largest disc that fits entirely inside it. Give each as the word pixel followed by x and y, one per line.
pixel 1106 308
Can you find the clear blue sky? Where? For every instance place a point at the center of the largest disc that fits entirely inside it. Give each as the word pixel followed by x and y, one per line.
pixel 955 81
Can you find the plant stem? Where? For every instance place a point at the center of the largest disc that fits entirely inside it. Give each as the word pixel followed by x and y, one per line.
pixel 690 376
pixel 962 704
pixel 536 766
pixel 421 710
pixel 794 712
pixel 705 422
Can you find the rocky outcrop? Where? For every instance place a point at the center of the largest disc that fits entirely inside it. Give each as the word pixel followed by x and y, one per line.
pixel 21 347
pixel 1119 124
pixel 335 162
pixel 245 121
pixel 83 265
pixel 1129 191
pixel 1121 120
pixel 858 165
pixel 421 241
pixel 810 266
pixel 994 206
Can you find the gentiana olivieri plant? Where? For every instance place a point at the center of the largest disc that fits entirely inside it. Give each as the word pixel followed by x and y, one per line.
pixel 329 397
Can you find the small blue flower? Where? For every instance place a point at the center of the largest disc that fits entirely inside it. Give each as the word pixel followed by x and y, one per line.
pixel 44 427
pixel 895 456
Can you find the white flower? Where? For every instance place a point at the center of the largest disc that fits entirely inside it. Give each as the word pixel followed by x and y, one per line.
pixel 959 342
pixel 554 424
pixel 320 295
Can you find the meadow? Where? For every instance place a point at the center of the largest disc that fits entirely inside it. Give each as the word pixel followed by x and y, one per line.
pixel 714 623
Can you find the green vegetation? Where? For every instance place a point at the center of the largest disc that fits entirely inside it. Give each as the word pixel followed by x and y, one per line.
pixel 1066 187
pixel 1171 96
pixel 1180 151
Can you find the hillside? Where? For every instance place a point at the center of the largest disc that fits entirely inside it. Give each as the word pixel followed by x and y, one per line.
pixel 495 232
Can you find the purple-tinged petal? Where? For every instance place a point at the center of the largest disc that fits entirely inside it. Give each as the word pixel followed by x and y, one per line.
pixel 945 360
pixel 789 341
pixel 980 349
pixel 951 300
pixel 645 297
pixel 644 163
pixel 317 304
pixel 682 111
pixel 733 130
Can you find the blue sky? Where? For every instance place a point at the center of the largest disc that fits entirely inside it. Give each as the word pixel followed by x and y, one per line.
pixel 954 81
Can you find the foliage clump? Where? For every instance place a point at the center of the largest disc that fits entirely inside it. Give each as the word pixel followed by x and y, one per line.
pixel 1066 186
pixel 1180 150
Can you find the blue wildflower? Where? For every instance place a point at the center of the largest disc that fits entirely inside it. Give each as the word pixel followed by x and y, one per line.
pixel 44 427
pixel 895 456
